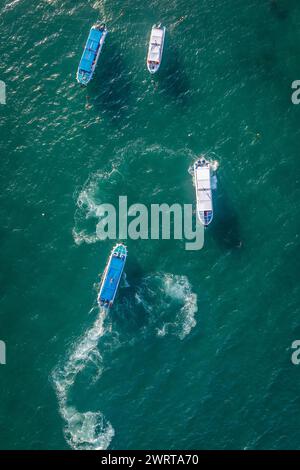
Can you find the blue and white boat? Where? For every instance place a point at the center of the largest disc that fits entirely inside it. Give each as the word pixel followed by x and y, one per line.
pixel 205 182
pixel 112 276
pixel 91 53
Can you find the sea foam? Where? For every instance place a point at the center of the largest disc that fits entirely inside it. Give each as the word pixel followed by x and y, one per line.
pixel 175 303
pixel 88 430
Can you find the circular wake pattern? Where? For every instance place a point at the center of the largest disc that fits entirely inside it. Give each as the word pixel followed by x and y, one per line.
pixel 174 313
pixel 175 303
pixel 99 189
pixel 121 178
pixel 88 430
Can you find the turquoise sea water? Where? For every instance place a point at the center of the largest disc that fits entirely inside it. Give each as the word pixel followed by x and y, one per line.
pixel 196 352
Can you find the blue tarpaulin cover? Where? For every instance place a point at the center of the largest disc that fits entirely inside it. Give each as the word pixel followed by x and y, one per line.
pixel 90 50
pixel 112 279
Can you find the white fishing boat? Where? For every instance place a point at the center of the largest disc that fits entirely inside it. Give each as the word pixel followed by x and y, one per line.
pixel 156 47
pixel 205 182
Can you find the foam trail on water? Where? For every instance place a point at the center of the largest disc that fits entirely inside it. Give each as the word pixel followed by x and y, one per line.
pixel 125 282
pixel 97 190
pixel 177 307
pixel 10 5
pixel 83 237
pixel 88 430
pixel 178 288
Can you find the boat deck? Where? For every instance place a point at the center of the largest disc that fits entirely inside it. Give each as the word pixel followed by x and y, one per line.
pixel 112 279
pixel 113 274
pixel 155 45
pixel 90 51
pixel 203 188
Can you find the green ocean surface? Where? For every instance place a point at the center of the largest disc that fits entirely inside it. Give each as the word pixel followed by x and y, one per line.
pixel 196 353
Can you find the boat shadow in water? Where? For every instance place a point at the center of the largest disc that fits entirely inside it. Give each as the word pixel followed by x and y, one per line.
pixel 277 10
pixel 225 227
pixel 111 87
pixel 128 300
pixel 172 79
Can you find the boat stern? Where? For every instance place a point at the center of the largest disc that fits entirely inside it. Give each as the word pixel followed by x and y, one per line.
pixel 152 67
pixel 205 217
pixel 83 77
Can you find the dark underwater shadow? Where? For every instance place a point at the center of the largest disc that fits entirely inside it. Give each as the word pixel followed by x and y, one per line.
pixel 225 227
pixel 172 79
pixel 278 11
pixel 110 89
pixel 128 314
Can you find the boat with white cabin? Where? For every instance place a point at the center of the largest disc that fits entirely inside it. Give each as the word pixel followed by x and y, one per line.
pixel 205 182
pixel 156 47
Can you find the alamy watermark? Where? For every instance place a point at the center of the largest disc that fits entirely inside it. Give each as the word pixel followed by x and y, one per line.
pixel 296 93
pixel 2 92
pixel 160 221
pixel 2 352
pixel 295 358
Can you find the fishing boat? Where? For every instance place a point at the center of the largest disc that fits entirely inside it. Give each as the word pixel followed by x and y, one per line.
pixel 91 53
pixel 112 276
pixel 156 46
pixel 205 182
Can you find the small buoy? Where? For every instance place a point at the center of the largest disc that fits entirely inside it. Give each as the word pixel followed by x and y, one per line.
pixel 43 214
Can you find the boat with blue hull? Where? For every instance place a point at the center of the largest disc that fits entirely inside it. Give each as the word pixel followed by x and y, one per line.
pixel 91 53
pixel 112 276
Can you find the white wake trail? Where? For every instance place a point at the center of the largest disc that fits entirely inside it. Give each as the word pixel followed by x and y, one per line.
pixel 88 430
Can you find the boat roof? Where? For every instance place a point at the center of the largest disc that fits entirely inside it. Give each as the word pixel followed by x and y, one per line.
pixel 156 41
pixel 112 278
pixel 154 54
pixel 114 272
pixel 90 50
pixel 156 37
pixel 157 33
pixel 203 188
